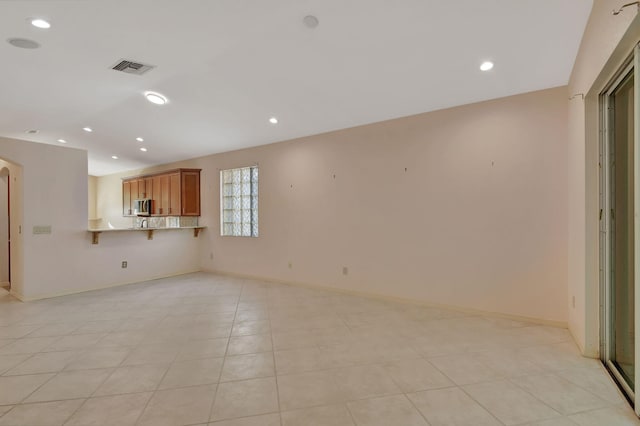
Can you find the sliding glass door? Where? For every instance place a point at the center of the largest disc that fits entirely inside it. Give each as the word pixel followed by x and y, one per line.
pixel 618 240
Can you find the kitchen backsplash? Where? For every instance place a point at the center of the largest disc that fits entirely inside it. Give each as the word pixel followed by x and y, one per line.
pixel 164 221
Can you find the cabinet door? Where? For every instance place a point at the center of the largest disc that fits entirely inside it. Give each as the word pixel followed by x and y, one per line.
pixel 126 198
pixel 155 194
pixel 134 193
pixel 164 195
pixel 174 194
pixel 190 188
pixel 142 188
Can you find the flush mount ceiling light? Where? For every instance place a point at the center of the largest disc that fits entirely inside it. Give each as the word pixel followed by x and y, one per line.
pixel 23 43
pixel 273 120
pixel 40 23
pixel 140 139
pixel 115 157
pixel 62 141
pixel 156 98
pixel 87 129
pixel 143 149
pixel 310 21
pixel 486 66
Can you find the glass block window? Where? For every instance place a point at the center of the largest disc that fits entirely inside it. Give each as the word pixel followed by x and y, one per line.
pixel 239 202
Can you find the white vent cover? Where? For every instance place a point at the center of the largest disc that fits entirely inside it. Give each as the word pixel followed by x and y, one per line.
pixel 131 67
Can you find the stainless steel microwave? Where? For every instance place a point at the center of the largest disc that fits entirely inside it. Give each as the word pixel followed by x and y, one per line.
pixel 142 207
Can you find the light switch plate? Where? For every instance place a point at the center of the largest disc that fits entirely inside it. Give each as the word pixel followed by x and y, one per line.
pixel 41 229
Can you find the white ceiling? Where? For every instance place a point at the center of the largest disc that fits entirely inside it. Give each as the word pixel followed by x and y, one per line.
pixel 228 65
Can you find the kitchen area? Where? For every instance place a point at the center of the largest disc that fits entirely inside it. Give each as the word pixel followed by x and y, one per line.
pixel 159 201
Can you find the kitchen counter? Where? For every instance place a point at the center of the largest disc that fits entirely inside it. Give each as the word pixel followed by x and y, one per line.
pixel 97 231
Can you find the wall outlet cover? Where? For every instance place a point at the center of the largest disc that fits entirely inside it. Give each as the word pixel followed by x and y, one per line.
pixel 41 229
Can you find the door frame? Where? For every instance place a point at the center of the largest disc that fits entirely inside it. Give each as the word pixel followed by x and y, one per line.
pixel 632 64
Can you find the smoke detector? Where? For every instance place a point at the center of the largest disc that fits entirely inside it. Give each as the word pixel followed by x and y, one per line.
pixel 132 67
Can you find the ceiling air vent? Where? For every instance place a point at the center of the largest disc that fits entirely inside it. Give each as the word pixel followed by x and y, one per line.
pixel 131 67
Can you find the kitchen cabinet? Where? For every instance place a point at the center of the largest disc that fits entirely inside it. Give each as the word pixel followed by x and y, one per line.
pixel 126 198
pixel 132 189
pixel 156 196
pixel 174 192
pixel 190 192
pixel 175 196
pixel 147 187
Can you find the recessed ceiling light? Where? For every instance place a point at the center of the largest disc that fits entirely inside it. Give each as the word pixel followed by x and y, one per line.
pixel 62 141
pixel 273 120
pixel 87 129
pixel 23 43
pixel 156 98
pixel 143 149
pixel 40 23
pixel 486 66
pixel 115 157
pixel 140 139
pixel 310 21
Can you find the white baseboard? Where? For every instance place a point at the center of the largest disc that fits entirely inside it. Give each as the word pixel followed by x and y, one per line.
pixel 424 303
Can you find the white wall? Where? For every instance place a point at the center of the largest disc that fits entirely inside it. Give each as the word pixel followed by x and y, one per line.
pixel 604 46
pixel 477 219
pixel 54 192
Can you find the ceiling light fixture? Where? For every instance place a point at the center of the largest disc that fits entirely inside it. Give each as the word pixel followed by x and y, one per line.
pixel 143 149
pixel 140 139
pixel 273 120
pixel 87 129
pixel 115 157
pixel 486 66
pixel 40 23
pixel 156 98
pixel 62 141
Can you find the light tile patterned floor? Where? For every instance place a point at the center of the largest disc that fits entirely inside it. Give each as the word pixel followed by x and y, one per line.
pixel 203 349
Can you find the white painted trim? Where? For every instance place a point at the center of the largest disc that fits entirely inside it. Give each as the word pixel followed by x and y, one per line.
pixel 17 295
pixel 377 296
pixel 636 225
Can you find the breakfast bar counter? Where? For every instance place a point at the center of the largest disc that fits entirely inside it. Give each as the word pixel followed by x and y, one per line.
pixel 95 239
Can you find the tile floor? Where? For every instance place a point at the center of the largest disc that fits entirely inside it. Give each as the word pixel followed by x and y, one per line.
pixel 203 349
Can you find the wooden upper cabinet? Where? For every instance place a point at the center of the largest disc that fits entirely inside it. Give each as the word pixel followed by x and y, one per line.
pixel 134 192
pixel 174 193
pixel 147 188
pixel 164 195
pixel 190 190
pixel 142 192
pixel 155 195
pixel 126 198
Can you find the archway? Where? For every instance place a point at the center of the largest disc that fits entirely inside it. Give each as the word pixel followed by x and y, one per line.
pixel 11 235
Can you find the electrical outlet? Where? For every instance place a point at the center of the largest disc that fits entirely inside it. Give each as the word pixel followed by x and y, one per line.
pixel 290 265
pixel 124 264
pixel 345 270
